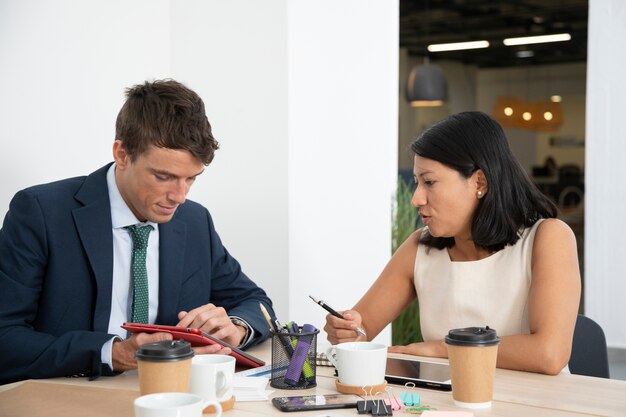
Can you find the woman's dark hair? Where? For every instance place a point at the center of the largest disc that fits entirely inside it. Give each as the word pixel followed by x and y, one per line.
pixel 470 141
pixel 165 114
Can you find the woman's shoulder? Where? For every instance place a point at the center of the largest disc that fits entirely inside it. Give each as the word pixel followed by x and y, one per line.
pixel 408 248
pixel 552 234
pixel 553 227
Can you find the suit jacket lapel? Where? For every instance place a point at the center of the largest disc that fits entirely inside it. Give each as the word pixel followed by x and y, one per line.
pixel 93 222
pixel 172 240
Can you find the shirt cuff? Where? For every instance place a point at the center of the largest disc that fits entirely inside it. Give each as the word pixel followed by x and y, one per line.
pixel 106 353
pixel 250 333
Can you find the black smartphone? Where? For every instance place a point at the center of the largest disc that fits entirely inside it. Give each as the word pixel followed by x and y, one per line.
pixel 315 402
pixel 418 373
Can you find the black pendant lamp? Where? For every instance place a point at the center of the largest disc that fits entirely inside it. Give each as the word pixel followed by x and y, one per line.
pixel 427 86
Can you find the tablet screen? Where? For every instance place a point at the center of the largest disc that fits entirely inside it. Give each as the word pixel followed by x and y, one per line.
pixel 424 374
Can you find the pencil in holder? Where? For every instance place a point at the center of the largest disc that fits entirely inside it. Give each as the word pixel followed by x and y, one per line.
pixel 293 358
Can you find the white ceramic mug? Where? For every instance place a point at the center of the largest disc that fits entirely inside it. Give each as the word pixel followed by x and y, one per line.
pixel 173 404
pixel 212 377
pixel 359 363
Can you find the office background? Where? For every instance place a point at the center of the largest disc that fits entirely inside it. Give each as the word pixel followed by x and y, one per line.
pixel 307 119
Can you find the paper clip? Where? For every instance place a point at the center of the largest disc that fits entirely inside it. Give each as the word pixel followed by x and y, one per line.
pixel 364 407
pixel 381 407
pixel 411 398
pixel 393 401
pixel 373 405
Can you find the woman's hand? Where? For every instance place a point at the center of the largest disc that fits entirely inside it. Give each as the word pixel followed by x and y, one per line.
pixel 435 348
pixel 343 330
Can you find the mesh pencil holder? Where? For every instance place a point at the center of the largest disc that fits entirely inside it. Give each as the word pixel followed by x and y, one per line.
pixel 293 358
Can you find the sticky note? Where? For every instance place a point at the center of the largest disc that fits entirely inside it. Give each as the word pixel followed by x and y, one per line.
pixel 433 413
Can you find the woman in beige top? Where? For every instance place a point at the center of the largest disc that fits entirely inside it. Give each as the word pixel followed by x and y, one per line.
pixel 491 253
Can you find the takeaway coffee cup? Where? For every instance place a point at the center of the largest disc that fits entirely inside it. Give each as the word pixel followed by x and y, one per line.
pixel 472 353
pixel 172 404
pixel 164 366
pixel 359 363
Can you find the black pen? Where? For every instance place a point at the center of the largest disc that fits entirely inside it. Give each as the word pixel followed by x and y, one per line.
pixel 332 311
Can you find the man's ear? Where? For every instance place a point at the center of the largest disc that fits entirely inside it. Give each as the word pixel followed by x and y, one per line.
pixel 122 159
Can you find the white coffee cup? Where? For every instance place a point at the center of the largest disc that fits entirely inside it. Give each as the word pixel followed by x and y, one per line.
pixel 359 363
pixel 212 377
pixel 173 404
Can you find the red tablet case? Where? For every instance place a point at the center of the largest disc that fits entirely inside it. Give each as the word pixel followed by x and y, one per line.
pixel 196 338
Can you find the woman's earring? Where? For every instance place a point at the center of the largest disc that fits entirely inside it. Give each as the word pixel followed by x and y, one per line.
pixel 479 194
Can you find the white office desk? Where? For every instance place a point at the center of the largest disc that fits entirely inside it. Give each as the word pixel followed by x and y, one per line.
pixel 515 394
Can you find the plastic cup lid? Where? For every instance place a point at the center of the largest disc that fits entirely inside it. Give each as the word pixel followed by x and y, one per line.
pixel 473 336
pixel 164 351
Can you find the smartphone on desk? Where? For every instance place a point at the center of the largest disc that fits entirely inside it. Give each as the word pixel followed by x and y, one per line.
pixel 316 402
pixel 418 373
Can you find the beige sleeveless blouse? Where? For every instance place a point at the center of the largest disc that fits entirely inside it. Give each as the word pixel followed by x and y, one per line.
pixel 490 292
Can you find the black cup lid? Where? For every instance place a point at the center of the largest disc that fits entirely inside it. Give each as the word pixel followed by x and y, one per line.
pixel 164 351
pixel 473 336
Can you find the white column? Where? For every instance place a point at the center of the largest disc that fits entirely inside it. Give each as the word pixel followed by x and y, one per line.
pixel 343 135
pixel 605 188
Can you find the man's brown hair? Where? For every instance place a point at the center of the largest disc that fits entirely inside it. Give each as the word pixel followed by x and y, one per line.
pixel 165 114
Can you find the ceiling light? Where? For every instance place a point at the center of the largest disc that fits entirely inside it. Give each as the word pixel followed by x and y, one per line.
pixel 524 54
pixel 457 46
pixel 507 111
pixel 540 116
pixel 537 39
pixel 426 86
pixel 555 98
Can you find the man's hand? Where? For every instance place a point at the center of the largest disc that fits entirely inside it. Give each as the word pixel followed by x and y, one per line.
pixel 123 355
pixel 214 321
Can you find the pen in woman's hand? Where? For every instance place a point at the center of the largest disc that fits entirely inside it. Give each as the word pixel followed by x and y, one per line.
pixel 334 312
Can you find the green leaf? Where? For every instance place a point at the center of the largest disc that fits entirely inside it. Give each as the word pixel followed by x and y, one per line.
pixel 405 328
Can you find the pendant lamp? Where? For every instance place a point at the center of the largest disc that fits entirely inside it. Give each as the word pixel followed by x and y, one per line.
pixel 427 86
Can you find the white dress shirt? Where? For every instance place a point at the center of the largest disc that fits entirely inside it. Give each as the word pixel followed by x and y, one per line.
pixel 122 294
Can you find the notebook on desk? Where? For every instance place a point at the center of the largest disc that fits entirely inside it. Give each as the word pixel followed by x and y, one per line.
pixel 322 360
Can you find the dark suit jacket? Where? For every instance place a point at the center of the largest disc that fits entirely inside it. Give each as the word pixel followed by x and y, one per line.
pixel 56 266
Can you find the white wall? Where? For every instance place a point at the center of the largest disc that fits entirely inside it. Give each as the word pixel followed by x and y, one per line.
pixel 343 135
pixel 234 54
pixel 605 192
pixel 301 187
pixel 63 68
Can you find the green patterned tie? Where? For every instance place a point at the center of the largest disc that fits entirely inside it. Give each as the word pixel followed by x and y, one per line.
pixel 139 273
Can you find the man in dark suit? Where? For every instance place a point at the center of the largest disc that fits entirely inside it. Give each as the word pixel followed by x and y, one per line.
pixel 69 275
